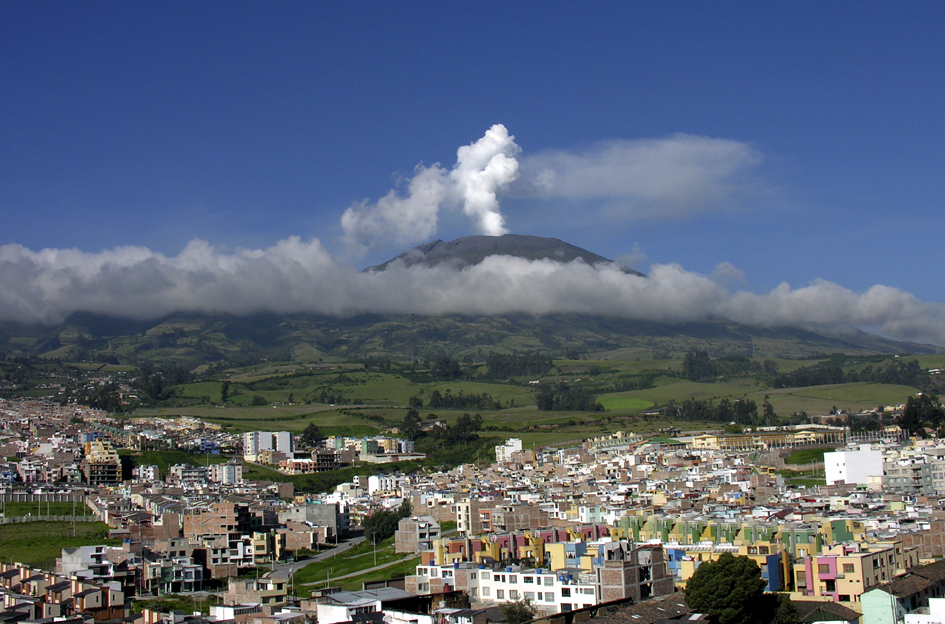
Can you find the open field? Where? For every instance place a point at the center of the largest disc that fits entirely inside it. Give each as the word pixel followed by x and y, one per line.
pixel 11 510
pixel 806 456
pixel 624 402
pixel 39 543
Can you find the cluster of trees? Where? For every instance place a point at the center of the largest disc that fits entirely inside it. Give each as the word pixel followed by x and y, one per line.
pixel 565 398
pixel 383 523
pixel 920 412
pixel 696 366
pixel 739 411
pixel 501 366
pixel 463 432
pixel 830 372
pixel 311 436
pixel 448 400
pixel 156 384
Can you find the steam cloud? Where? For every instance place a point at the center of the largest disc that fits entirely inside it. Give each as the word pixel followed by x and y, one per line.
pixel 482 170
pixel 301 276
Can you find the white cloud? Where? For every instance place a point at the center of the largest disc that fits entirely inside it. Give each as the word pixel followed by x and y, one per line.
pixel 397 219
pixel 300 276
pixel 676 176
pixel 482 170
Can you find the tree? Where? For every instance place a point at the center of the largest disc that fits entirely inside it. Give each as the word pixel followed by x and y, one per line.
pixel 225 392
pixel 726 589
pixel 311 435
pixel 519 611
pixel 785 612
pixel 920 411
pixel 259 399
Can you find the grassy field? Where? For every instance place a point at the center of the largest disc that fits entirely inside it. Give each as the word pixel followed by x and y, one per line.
pixel 624 402
pixel 188 603
pixel 806 456
pixel 360 557
pixel 39 543
pixel 356 583
pixel 377 401
pixel 11 510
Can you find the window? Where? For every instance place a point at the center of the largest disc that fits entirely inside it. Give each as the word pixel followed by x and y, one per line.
pixel 844 598
pixel 486 591
pixel 549 581
pixel 549 597
pixel 566 592
pixel 500 594
pixel 528 580
pixel 763 550
pixel 529 595
pixel 847 567
pixel 513 594
pixel 472 576
pixel 513 578
pixel 823 568
pixel 831 586
pixel 485 576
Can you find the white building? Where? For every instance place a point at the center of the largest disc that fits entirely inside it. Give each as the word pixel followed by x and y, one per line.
pixel 230 473
pixel 854 466
pixel 254 442
pixel 503 453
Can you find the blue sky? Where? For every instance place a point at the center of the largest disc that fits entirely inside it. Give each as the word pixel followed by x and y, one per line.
pixel 793 141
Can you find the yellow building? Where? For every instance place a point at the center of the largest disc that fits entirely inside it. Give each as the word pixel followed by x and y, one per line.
pixel 844 571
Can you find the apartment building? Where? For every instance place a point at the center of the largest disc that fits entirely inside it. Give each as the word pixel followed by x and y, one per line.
pixel 844 571
pixel 416 534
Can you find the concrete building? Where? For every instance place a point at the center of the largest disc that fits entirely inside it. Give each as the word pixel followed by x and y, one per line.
pixel 101 465
pixel 853 467
pixel 334 516
pixel 416 534
pixel 911 477
pixel 270 593
pixel 843 572
pixel 230 473
pixel 620 570
pixel 503 452
pixel 255 442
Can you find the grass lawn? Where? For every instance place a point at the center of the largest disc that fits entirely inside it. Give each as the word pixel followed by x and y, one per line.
pixel 39 543
pixel 623 402
pixel 807 456
pixel 12 510
pixel 356 583
pixel 361 557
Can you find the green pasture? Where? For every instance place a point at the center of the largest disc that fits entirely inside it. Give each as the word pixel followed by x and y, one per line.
pixel 622 401
pixel 806 456
pixel 820 399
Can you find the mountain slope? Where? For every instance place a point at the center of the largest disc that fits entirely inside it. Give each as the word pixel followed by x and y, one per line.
pixel 472 250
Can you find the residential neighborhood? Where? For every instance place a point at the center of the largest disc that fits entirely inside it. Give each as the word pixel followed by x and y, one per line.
pixel 617 520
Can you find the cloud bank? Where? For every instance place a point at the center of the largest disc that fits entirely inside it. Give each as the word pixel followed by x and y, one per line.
pixel 301 276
